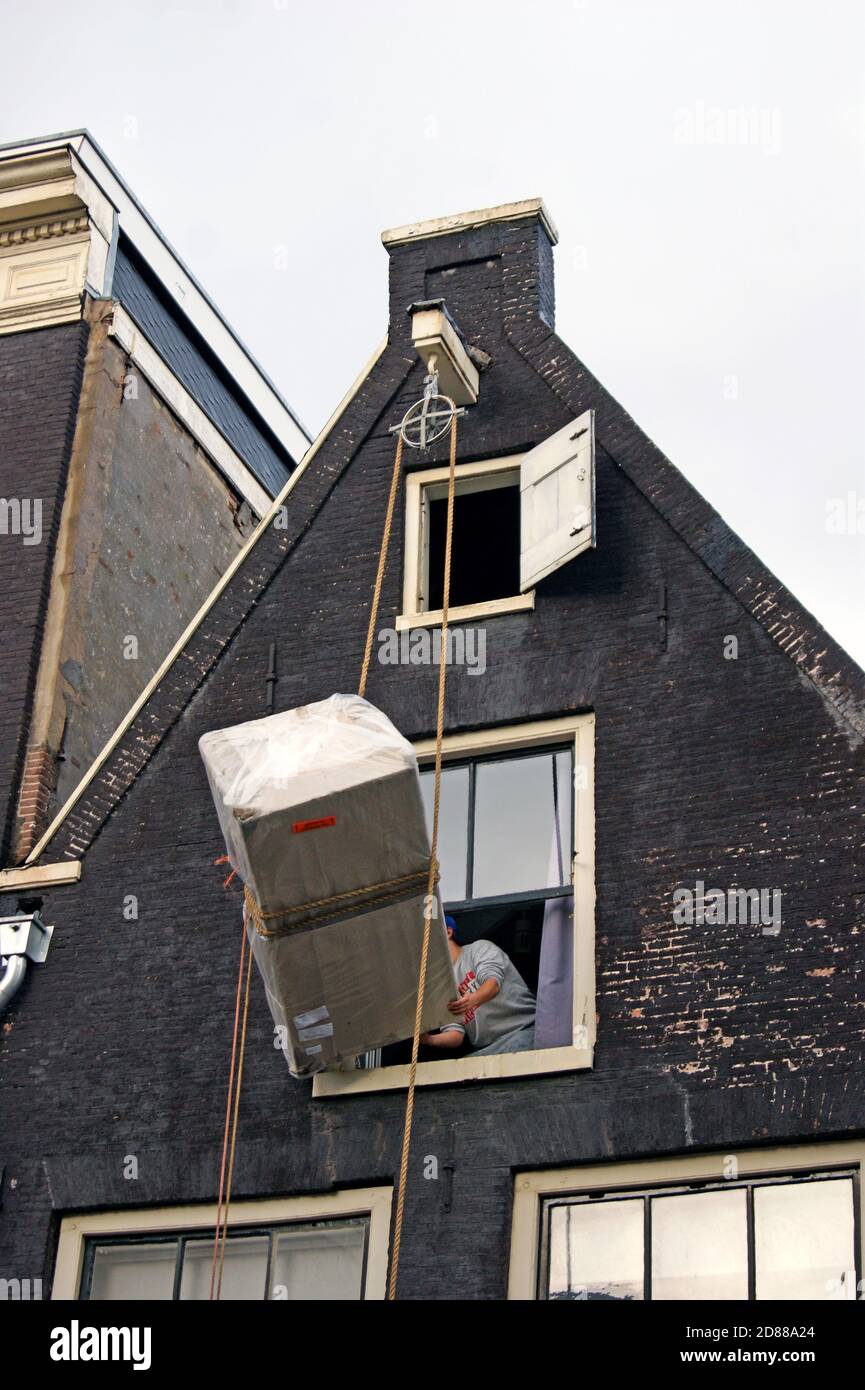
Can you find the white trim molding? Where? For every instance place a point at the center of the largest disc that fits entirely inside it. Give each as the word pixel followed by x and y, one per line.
pixel 579 1055
pixel 433 482
pixel 40 876
pixel 464 221
pixel 532 1188
pixel 373 1202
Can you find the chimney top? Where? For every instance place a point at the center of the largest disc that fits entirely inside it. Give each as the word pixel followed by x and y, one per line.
pixel 463 221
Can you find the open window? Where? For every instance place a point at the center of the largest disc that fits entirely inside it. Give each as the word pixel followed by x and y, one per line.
pixel 292 1249
pixel 516 855
pixel 781 1224
pixel 516 520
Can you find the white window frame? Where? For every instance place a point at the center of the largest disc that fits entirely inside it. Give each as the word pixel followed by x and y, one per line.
pixel 490 474
pixel 372 1202
pixel 531 1188
pixel 579 1055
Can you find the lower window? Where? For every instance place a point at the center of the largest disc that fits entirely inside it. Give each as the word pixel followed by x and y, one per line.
pixel 299 1249
pixel 777 1231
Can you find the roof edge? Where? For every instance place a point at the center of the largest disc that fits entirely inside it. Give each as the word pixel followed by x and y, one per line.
pixel 466 221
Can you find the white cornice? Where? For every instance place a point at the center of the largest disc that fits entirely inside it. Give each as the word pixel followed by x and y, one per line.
pixel 464 221
pixel 92 180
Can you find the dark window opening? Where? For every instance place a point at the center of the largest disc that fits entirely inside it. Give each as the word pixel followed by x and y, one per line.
pixel 485 551
pixel 518 931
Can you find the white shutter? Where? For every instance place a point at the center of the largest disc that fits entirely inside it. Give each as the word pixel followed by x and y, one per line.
pixel 557 500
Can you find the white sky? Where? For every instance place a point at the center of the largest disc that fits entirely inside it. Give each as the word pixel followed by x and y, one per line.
pixel 711 270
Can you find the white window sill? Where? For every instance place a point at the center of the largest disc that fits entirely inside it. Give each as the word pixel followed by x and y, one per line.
pixel 520 603
pixel 544 1061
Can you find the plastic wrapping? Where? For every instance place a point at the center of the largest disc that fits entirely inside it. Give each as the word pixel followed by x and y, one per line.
pixel 318 803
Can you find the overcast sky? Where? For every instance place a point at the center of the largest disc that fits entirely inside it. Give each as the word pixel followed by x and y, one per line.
pixel 702 159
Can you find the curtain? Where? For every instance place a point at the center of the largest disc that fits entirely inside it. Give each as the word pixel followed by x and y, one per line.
pixel 554 1019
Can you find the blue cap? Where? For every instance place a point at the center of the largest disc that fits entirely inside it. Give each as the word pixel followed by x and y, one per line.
pixel 451 922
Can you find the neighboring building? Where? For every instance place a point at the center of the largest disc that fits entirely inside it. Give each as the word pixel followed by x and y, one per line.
pixel 139 443
pixel 656 716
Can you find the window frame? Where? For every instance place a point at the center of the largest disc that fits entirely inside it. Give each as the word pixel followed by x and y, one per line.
pixel 579 1055
pixel 249 1217
pixel 488 474
pixel 528 895
pixel 667 1175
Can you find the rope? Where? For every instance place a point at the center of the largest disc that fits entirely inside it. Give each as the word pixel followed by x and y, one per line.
pixel 235 1113
pixel 258 917
pixel 370 895
pixel 382 561
pixel 227 1110
pixel 427 921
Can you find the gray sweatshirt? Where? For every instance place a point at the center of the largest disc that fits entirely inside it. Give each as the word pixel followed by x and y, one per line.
pixel 513 1006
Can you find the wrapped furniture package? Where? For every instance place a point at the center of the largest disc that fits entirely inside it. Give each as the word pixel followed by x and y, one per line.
pixel 322 816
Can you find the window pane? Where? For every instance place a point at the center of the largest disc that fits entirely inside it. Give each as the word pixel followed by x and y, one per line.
pixel 700 1246
pixel 319 1263
pixel 596 1250
pixel 523 824
pixel 804 1240
pixel 453 828
pixel 244 1270
pixel 134 1271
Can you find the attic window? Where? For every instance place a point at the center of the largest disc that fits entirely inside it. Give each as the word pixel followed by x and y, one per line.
pixel 485 552
pixel 485 557
pixel 516 521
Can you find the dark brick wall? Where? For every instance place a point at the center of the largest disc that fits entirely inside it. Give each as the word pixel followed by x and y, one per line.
pixel 742 772
pixel 40 380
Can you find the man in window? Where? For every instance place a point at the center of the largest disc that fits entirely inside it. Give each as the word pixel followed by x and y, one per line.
pixel 496 1009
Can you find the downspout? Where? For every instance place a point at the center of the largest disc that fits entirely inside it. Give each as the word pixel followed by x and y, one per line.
pixel 23 938
pixel 14 970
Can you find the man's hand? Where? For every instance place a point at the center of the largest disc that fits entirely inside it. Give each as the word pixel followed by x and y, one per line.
pixel 462 1006
pixel 470 1001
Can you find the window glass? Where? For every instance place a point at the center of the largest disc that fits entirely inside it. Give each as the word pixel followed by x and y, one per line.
pixel 453 828
pixel 244 1269
pixel 596 1250
pixel 804 1240
pixel 322 1263
pixel 700 1245
pixel 134 1271
pixel 523 825
pixel 315 1260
